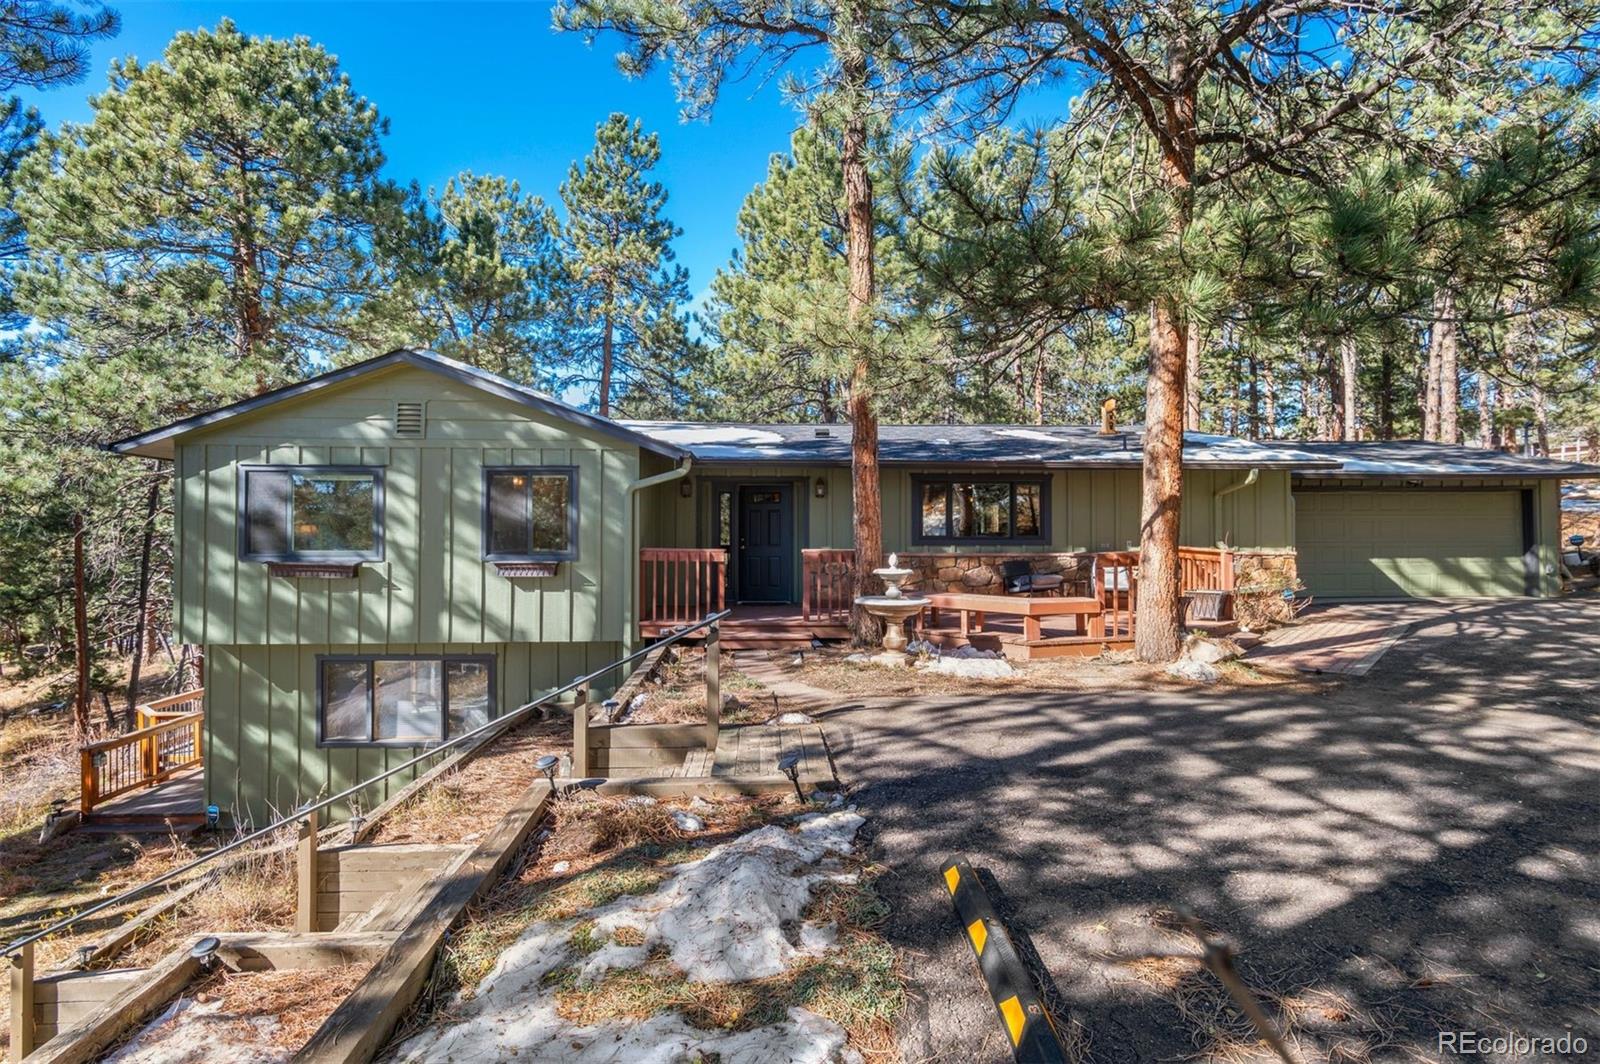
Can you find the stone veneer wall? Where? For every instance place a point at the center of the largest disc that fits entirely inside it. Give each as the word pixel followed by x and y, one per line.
pixel 1273 568
pixel 980 574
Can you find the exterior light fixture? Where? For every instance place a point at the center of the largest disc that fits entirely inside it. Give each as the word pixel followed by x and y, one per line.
pixel 820 488
pixel 548 765
pixel 686 487
pixel 205 951
pixel 789 765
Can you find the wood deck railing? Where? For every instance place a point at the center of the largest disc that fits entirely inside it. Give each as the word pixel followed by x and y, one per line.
pixel 145 756
pixel 1205 569
pixel 680 585
pixel 827 585
pixel 169 708
pixel 1116 585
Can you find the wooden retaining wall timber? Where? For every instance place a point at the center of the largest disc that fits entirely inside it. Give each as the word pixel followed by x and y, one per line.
pixel 637 749
pixel 354 882
pixel 358 1028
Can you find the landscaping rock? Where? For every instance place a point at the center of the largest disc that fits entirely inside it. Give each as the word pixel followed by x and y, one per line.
pixel 976 668
pixel 1197 671
pixel 1209 651
pixel 790 718
pixel 923 648
pixel 971 653
pixel 687 821
pixel 560 867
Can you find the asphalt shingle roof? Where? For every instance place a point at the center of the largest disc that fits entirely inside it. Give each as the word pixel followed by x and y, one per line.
pixel 1415 458
pixel 1033 445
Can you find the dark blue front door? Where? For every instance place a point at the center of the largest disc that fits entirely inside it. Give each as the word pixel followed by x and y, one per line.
pixel 766 523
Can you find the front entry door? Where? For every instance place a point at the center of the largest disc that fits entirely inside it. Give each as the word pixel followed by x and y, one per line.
pixel 766 521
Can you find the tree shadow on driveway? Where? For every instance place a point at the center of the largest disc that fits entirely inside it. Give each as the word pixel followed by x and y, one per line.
pixel 1422 843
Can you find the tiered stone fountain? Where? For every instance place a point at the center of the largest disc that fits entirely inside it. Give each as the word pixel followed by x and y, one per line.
pixel 892 607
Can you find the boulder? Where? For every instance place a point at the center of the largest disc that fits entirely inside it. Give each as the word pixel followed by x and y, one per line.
pixel 1209 651
pixel 687 821
pixel 976 668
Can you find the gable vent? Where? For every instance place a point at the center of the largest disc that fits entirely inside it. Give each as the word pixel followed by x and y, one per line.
pixel 409 420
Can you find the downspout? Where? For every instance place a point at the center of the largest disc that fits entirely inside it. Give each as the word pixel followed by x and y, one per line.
pixel 1216 501
pixel 630 536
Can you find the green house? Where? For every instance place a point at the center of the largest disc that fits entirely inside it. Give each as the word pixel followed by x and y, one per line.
pixel 385 555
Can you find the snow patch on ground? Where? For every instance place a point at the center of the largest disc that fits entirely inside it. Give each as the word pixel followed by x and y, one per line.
pixel 721 918
pixel 189 1032
pixel 970 668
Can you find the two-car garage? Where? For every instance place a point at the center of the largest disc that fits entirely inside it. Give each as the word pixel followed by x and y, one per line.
pixel 1422 543
pixel 1406 519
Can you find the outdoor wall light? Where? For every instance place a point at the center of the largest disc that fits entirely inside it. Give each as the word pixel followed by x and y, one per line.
pixel 789 765
pixel 686 487
pixel 548 764
pixel 820 488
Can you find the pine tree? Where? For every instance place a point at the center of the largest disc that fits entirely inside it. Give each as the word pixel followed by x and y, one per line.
pixel 620 290
pixel 469 272
pixel 710 40
pixel 1195 80
pixel 221 198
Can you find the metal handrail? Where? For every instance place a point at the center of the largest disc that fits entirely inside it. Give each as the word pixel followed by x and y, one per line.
pixel 710 621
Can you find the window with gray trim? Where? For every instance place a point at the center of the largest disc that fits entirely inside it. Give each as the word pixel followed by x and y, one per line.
pixel 401 701
pixel 310 513
pixel 980 510
pixel 530 513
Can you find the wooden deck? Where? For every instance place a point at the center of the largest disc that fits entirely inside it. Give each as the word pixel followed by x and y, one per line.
pixel 179 801
pixel 764 626
pixel 752 751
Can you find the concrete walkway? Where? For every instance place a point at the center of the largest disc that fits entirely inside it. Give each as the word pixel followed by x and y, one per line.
pixel 1422 842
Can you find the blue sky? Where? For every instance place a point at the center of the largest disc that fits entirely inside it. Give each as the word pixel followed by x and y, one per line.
pixel 489 87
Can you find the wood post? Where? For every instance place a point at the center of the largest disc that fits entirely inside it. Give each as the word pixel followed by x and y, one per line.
pixel 305 910
pixel 88 792
pixel 580 734
pixel 22 1002
pixel 713 646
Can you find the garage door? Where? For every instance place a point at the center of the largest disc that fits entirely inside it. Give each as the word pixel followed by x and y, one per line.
pixel 1384 544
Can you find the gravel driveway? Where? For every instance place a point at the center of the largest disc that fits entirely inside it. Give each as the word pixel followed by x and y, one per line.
pixel 1413 851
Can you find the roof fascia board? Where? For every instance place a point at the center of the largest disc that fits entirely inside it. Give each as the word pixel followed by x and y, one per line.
pixel 479 379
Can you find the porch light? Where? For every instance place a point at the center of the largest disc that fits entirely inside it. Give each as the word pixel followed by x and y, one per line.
pixel 686 487
pixel 547 764
pixel 820 488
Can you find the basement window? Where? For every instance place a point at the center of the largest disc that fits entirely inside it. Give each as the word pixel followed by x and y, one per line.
pixel 530 513
pixel 980 510
pixel 401 701
pixel 311 513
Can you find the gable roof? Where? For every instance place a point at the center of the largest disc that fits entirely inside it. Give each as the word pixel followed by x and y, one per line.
pixel 158 443
pixel 1418 458
pixel 999 445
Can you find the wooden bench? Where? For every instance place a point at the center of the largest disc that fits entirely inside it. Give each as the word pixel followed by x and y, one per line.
pixel 1087 612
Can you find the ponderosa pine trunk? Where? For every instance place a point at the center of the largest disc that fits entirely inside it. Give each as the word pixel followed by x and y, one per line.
pixel 1158 635
pixel 866 495
pixel 1348 370
pixel 1191 380
pixel 1485 412
pixel 80 631
pixel 141 613
pixel 1385 394
pixel 1449 385
pixel 607 350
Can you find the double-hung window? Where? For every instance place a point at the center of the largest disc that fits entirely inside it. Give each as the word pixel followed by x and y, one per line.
pixel 530 513
pixel 311 513
pixel 401 701
pixel 980 510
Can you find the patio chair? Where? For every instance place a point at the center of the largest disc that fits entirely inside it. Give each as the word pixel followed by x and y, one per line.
pixel 1018 578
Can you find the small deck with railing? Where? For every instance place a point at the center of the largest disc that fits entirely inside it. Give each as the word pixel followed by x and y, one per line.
pixel 152 776
pixel 679 586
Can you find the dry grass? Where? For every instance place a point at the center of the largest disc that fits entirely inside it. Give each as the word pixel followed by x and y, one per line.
pixel 829 671
pixel 859 984
pixel 612 847
pixel 460 802
pixel 296 1001
pixel 678 694
pixel 1319 1023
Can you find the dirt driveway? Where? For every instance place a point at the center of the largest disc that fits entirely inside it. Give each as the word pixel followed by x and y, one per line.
pixel 1413 851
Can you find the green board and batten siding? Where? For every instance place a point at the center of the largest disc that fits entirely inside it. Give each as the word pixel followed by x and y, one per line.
pixel 431 592
pixel 1091 509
